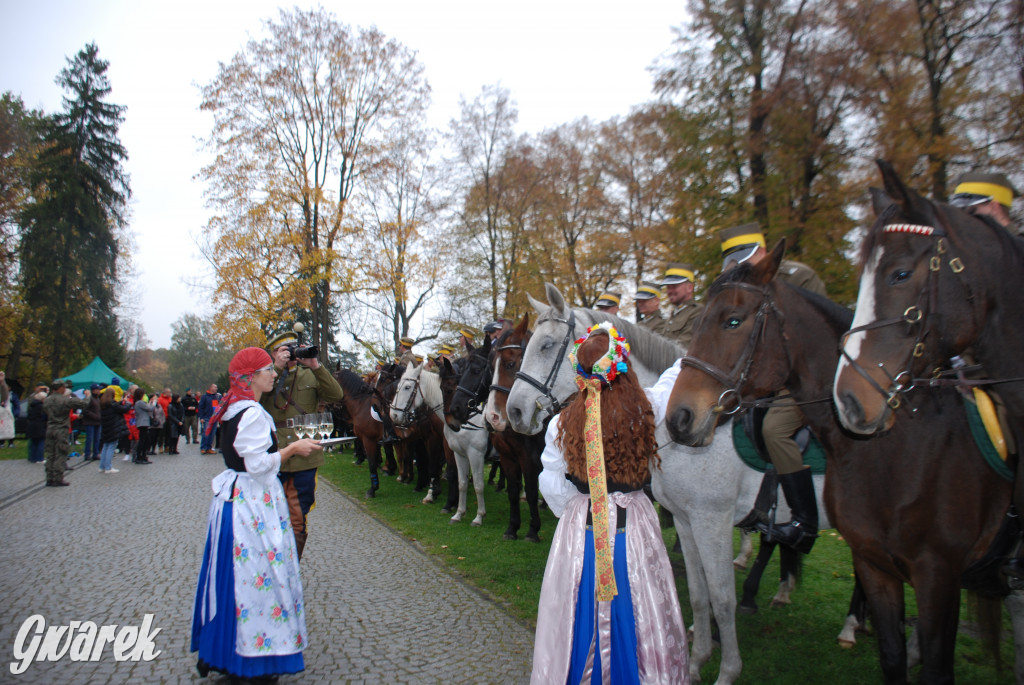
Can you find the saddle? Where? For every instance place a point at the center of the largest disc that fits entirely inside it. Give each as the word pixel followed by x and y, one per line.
pixel 748 440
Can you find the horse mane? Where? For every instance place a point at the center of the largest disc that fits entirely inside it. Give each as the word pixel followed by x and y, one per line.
pixel 352 383
pixel 657 352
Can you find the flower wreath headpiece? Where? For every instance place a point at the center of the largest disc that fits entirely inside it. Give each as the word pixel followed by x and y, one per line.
pixel 608 365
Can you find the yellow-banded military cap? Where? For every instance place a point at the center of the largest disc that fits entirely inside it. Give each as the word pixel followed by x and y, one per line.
pixel 741 237
pixel 468 334
pixel 446 349
pixel 677 272
pixel 975 187
pixel 647 290
pixel 282 339
pixel 418 358
pixel 407 341
pixel 608 299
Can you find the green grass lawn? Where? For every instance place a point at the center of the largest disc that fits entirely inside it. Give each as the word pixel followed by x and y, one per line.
pixel 791 644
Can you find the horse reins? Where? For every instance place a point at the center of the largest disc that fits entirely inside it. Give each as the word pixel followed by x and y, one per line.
pixel 409 411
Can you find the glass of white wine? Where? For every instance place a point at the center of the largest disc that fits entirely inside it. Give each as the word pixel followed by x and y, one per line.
pixel 300 427
pixel 326 424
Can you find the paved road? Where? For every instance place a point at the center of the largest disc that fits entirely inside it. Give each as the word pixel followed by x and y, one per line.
pixel 112 548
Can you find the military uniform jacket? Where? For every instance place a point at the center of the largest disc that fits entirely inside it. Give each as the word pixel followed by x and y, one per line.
pixel 679 326
pixel 58 410
pixel 802 276
pixel 302 391
pixel 407 358
pixel 654 322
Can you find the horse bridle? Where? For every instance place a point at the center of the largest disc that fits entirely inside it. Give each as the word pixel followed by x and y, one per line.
pixel 734 379
pixel 915 315
pixel 554 406
pixel 497 353
pixel 472 403
pixel 408 411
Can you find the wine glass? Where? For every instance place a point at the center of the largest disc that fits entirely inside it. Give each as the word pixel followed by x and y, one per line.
pixel 327 424
pixel 300 427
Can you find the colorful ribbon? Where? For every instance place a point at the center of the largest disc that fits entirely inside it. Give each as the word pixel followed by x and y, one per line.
pixel 591 387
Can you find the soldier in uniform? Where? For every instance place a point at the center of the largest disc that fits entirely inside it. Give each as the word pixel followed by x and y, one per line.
pixel 678 283
pixel 609 302
pixel 648 307
pixel 58 405
pixel 405 355
pixel 746 243
pixel 465 341
pixel 988 195
pixel 302 384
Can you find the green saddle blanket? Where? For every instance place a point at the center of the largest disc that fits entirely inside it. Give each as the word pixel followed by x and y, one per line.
pixel 814 456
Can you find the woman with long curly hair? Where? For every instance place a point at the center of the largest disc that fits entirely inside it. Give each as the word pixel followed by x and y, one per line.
pixel 608 610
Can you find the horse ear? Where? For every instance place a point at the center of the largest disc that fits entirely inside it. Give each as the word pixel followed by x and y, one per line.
pixel 537 305
pixel 447 364
pixel 894 187
pixel 524 324
pixel 487 345
pixel 555 298
pixel 767 268
pixel 879 200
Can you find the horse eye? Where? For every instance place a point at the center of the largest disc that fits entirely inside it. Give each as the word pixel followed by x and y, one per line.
pixel 897 277
pixel 732 322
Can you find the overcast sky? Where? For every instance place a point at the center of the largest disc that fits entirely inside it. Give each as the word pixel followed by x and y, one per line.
pixel 560 59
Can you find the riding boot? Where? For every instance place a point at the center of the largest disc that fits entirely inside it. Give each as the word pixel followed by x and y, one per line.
pixel 800 532
pixel 389 430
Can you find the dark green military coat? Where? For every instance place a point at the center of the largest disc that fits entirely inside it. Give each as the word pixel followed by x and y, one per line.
pixel 679 326
pixel 302 392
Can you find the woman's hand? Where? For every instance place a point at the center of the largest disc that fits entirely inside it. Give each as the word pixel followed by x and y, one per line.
pixel 303 448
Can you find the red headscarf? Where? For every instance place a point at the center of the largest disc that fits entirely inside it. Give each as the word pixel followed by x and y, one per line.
pixel 243 365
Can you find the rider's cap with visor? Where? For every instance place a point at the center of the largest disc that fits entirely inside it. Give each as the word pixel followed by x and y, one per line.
pixel 677 272
pixel 739 243
pixel 977 188
pixel 608 299
pixel 647 290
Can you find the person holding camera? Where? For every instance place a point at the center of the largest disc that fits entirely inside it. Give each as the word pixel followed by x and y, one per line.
pixel 302 385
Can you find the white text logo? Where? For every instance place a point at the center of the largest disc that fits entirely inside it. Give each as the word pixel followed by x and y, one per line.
pixel 81 641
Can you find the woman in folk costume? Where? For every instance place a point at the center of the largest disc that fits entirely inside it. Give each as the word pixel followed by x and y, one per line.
pixel 248 619
pixel 608 610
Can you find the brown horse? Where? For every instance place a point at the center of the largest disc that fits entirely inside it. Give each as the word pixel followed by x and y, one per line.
pixel 359 402
pixel 917 505
pixel 936 281
pixel 520 454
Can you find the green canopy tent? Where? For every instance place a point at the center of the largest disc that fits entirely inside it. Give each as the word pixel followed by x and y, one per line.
pixel 95 372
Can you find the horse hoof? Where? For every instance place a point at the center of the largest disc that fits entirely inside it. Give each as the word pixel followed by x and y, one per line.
pixel 847 644
pixel 453 520
pixel 747 610
pixel 779 603
pixel 446 510
pixel 510 536
pixel 532 537
pixel 370 494
pixel 739 567
pixel 476 523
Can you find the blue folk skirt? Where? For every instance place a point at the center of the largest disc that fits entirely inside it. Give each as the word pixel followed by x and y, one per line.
pixel 215 640
pixel 625 668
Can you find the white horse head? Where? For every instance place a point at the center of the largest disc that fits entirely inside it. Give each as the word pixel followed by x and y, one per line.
pixel 416 389
pixel 545 382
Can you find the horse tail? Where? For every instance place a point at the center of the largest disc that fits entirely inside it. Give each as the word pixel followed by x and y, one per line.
pixel 988 614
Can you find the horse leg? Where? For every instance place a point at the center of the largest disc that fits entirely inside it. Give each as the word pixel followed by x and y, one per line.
pixel 748 604
pixel 938 604
pixel 789 570
pixel 373 449
pixel 886 602
pixel 530 485
pixel 746 551
pixel 463 465
pixel 1014 603
pixel 511 468
pixel 390 465
pixel 856 617
pixel 700 604
pixel 713 536
pixel 451 475
pixel 476 462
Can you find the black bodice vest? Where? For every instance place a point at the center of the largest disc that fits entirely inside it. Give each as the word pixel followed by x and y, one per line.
pixel 228 431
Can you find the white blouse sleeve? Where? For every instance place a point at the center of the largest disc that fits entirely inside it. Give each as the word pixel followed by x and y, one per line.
pixel 658 394
pixel 557 491
pixel 253 442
